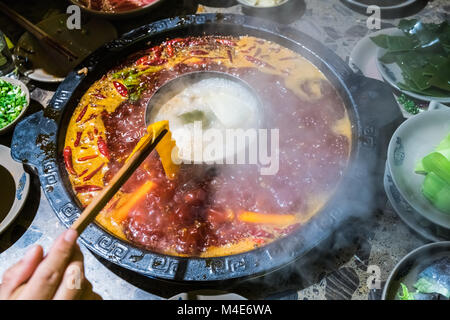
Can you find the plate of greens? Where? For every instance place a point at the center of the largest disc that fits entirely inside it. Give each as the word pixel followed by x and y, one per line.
pixel 415 59
pixel 14 100
pixel 423 274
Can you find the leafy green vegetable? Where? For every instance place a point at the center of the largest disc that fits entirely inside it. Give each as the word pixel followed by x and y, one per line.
pixel 406 295
pixel 409 105
pixel 429 286
pixel 422 54
pixel 437 163
pixel 443 148
pixel 437 191
pixel 12 101
pixel 196 115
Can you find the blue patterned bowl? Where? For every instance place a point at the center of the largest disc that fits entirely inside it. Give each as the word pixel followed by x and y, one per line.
pixel 413 140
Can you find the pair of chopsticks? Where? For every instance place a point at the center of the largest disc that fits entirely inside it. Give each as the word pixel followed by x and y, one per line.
pixel 92 210
pixel 38 33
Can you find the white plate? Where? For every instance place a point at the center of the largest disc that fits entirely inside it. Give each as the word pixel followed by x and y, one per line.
pixel 364 55
pixel 364 59
pixel 409 216
pixel 392 73
pixel 50 67
pixel 22 182
pixel 413 140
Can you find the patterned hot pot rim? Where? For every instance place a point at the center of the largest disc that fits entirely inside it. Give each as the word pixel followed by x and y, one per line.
pixel 38 141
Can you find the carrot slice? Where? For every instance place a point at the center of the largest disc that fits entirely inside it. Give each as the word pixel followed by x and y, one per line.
pixel 267 218
pixel 121 213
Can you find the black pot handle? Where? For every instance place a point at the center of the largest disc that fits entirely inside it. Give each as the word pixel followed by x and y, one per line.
pixel 34 139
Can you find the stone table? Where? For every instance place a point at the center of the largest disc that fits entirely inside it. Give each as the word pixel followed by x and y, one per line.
pixel 337 269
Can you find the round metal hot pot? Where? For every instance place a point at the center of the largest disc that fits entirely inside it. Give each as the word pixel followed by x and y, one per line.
pixel 39 139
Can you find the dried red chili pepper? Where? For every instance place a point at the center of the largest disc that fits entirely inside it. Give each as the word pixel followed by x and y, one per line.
pixel 91 117
pixel 198 53
pixel 196 42
pixel 230 56
pixel 103 147
pixel 68 160
pixel 93 156
pixel 87 188
pixel 93 173
pixel 288 58
pixel 142 60
pixel 121 89
pixel 155 62
pixel 82 113
pixel 99 96
pixel 259 62
pixel 259 241
pixel 77 140
pixel 95 131
pixel 170 51
pixel 83 173
pixel 91 136
pixel 157 50
pixel 176 41
pixel 227 42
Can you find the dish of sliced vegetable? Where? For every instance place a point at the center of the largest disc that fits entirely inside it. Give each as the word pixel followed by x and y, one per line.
pixel 436 167
pixel 423 55
pixel 12 102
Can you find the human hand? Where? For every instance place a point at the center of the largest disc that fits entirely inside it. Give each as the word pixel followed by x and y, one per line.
pixel 59 275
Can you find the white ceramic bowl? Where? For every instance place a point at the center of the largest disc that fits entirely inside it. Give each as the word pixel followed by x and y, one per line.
pixel 22 185
pixel 408 268
pixel 413 140
pixel 24 88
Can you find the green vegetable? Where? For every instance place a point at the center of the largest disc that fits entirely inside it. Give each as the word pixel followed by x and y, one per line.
pixel 437 163
pixel 443 148
pixel 12 101
pixel 406 295
pixel 408 104
pixel 423 55
pixel 196 115
pixel 425 286
pixel 437 191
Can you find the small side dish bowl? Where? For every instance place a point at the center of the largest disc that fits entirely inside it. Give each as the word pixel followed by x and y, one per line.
pixel 414 139
pixel 282 8
pixel 24 89
pixel 409 268
pixel 21 186
pixel 121 14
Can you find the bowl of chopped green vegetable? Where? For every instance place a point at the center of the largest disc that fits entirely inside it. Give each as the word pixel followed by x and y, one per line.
pixel 14 100
pixel 419 159
pixel 423 274
pixel 415 59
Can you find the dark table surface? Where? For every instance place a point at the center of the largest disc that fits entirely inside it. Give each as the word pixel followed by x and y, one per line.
pixel 338 269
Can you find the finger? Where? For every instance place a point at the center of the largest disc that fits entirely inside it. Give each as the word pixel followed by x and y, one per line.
pixel 74 281
pixel 21 271
pixel 47 277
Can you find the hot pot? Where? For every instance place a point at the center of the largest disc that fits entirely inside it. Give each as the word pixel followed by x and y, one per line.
pixel 39 139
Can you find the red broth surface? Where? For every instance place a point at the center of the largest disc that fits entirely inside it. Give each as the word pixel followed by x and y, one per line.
pixel 200 212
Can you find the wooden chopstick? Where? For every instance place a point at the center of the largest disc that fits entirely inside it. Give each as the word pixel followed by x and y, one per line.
pixel 38 32
pixel 91 211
